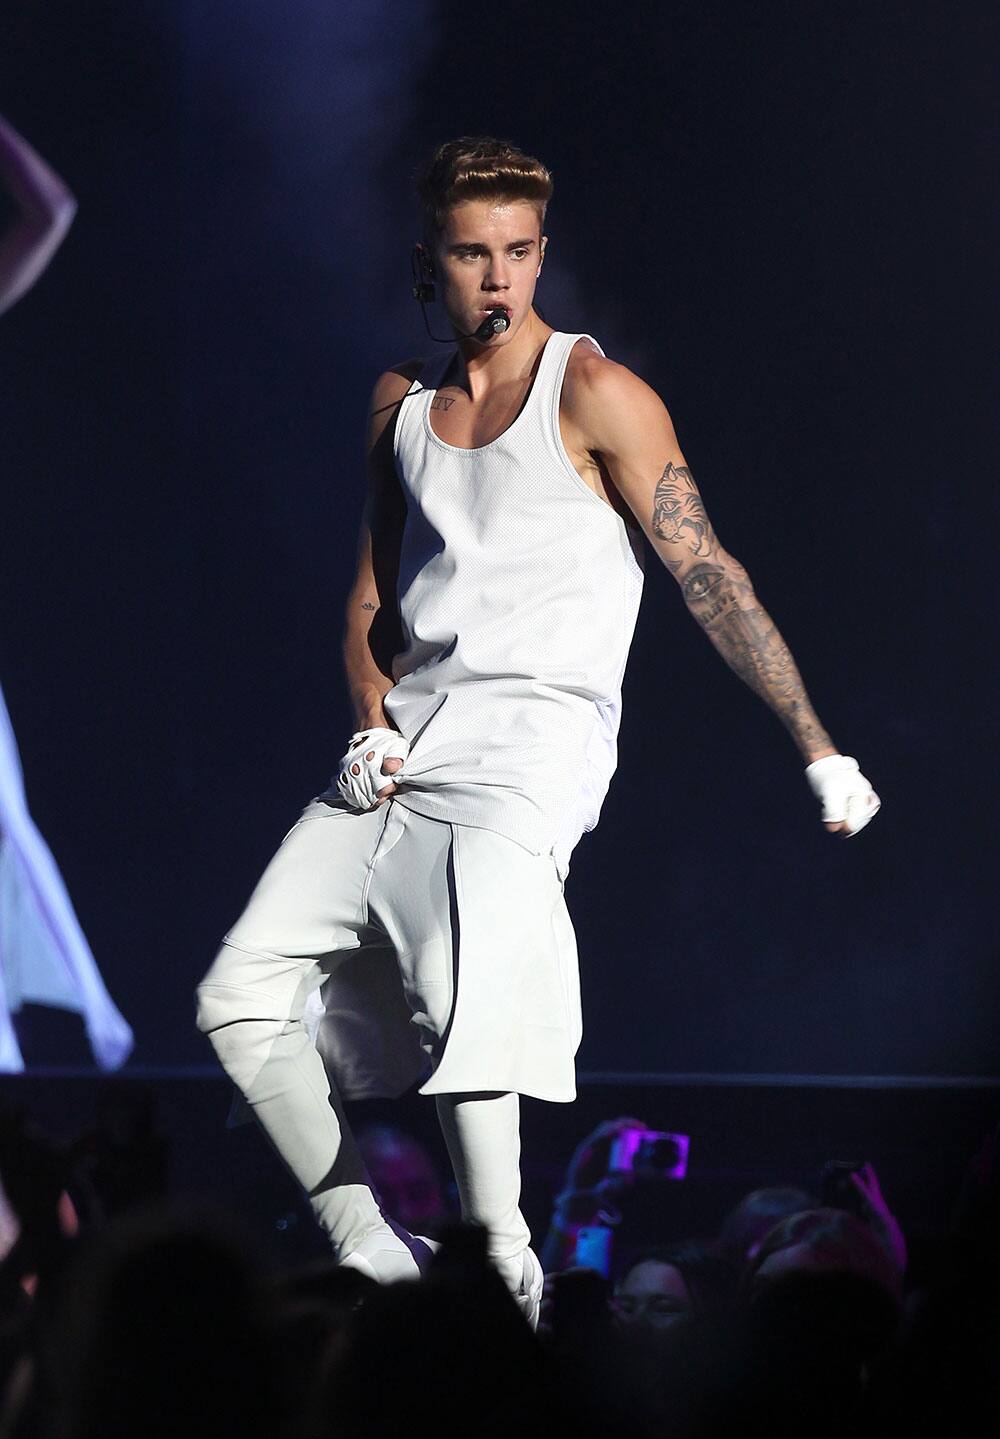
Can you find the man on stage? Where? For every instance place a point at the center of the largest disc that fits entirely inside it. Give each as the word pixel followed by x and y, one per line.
pixel 511 482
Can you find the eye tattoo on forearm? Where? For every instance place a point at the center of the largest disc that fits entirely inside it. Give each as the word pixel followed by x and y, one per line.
pixel 367 605
pixel 722 600
pixel 678 513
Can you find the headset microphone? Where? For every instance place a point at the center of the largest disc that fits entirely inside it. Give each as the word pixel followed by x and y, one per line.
pixel 496 323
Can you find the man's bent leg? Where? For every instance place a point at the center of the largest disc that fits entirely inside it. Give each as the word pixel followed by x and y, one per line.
pixel 308 905
pixel 250 1006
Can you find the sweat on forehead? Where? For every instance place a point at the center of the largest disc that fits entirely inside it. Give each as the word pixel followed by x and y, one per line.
pixel 472 220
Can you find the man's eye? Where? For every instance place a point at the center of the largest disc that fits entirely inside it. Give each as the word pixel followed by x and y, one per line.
pixel 519 254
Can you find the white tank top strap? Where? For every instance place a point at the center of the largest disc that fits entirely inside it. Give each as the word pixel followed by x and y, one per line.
pixel 543 397
pixel 417 400
pixel 549 403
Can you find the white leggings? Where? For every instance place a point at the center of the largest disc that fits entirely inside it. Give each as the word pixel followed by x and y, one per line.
pixel 251 1005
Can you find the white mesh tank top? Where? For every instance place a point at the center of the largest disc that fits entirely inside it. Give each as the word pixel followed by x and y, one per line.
pixel 518 594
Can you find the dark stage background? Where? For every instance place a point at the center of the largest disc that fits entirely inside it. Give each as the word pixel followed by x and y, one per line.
pixel 782 217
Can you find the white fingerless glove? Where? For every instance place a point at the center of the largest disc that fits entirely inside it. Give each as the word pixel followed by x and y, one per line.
pixel 843 791
pixel 360 775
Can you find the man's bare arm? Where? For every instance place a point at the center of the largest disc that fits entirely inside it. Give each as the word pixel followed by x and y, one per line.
pixel 44 209
pixel 367 682
pixel 632 434
pixel 371 624
pixel 718 592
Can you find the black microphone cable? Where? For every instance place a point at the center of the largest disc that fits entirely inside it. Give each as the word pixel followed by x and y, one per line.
pixel 495 323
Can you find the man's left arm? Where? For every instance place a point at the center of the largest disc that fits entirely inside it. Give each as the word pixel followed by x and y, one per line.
pixel 628 429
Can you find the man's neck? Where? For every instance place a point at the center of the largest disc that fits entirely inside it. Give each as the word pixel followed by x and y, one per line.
pixel 481 368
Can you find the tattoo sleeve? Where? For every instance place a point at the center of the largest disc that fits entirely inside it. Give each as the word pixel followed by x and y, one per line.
pixel 720 596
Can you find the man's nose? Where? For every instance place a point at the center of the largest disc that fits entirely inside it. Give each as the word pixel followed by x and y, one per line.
pixel 497 276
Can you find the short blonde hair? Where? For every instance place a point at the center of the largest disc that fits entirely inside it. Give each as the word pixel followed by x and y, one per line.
pixel 479 168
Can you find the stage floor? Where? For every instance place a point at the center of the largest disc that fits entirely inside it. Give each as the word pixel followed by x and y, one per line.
pixel 746 1132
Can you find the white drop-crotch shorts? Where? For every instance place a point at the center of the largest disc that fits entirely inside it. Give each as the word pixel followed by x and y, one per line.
pixel 428 951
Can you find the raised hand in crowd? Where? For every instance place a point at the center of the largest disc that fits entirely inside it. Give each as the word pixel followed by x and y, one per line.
pixel 588 1192
pixel 879 1216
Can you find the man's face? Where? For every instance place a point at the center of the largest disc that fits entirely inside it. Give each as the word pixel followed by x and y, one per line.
pixel 488 255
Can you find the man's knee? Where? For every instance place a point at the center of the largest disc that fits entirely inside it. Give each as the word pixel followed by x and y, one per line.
pixel 215 1007
pixel 241 1025
pixel 228 992
pixel 244 985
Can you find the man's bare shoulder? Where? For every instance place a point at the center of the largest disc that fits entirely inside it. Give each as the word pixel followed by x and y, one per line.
pixel 599 394
pixel 393 383
pixel 389 389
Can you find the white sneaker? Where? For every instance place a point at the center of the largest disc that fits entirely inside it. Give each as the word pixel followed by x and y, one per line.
pixel 387 1257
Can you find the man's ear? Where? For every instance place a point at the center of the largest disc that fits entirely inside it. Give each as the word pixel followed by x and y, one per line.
pixel 541 254
pixel 425 257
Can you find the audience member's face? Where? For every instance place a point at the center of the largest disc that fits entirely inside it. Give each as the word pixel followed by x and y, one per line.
pixel 651 1294
pixel 406 1181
